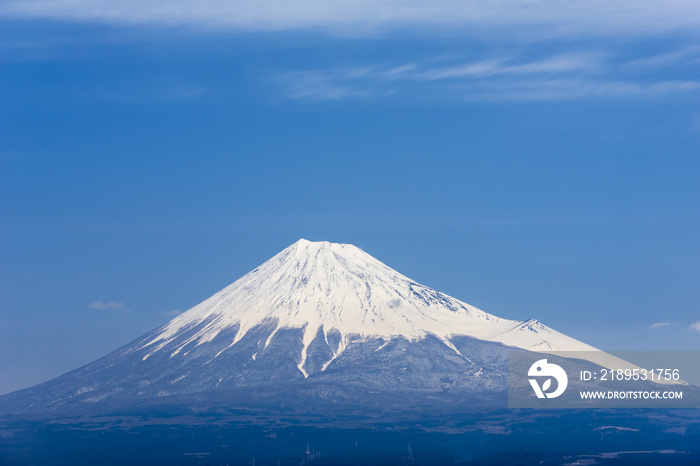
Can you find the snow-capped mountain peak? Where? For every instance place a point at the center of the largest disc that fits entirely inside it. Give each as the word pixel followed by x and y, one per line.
pixel 343 292
pixel 318 323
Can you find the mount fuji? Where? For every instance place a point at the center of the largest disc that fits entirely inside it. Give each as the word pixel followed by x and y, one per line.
pixel 319 323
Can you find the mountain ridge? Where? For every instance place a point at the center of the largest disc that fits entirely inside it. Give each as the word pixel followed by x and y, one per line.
pixel 338 287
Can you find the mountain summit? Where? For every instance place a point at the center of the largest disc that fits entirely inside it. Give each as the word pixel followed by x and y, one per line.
pixel 319 320
pixel 339 291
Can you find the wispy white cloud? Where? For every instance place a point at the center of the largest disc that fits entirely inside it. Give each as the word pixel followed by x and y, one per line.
pixel 323 85
pixel 695 326
pixel 572 89
pixel 541 17
pixel 559 77
pixel 686 55
pixel 152 90
pixel 553 65
pixel 659 325
pixel 478 69
pixel 173 313
pixel 108 306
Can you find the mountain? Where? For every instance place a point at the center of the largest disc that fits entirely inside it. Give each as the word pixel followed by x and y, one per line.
pixel 320 323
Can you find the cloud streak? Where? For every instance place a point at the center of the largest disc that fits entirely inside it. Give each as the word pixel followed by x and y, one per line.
pixel 321 85
pixel 558 77
pixel 538 17
pixel 499 67
pixel 659 325
pixel 108 306
pixel 695 326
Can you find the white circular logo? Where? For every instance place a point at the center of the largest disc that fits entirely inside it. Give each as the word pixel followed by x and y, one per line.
pixel 543 369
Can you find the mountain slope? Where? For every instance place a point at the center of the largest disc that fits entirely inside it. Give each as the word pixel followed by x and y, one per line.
pixel 340 290
pixel 318 321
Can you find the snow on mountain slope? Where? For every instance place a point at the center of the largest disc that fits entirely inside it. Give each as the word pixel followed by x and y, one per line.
pixel 341 290
pixel 318 323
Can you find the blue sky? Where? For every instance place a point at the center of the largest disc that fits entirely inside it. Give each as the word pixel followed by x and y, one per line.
pixel 532 159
